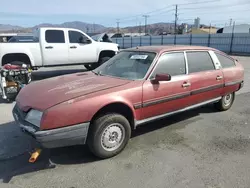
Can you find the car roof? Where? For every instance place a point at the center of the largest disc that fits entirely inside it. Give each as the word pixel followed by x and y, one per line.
pixel 166 48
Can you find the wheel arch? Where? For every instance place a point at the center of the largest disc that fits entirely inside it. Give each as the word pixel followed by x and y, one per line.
pixel 10 57
pixel 106 53
pixel 117 107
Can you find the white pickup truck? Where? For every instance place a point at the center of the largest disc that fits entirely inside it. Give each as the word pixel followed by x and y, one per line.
pixel 57 47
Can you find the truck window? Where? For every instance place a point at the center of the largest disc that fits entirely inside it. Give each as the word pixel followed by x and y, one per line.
pixel 199 61
pixel 77 37
pixel 54 36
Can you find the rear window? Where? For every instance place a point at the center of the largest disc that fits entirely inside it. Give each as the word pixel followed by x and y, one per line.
pixel 225 61
pixel 54 36
pixel 199 61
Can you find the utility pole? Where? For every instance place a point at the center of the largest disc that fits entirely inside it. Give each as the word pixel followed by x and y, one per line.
pixel 146 17
pixel 118 27
pixel 233 27
pixel 176 18
pixel 231 20
pixel 232 38
pixel 140 28
pixel 93 27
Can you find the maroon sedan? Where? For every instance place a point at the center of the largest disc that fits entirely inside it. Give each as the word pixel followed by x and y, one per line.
pixel 137 86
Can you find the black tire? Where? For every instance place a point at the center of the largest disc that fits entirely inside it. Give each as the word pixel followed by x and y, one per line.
pixel 103 60
pixel 102 127
pixel 226 102
pixel 93 66
pixel 20 63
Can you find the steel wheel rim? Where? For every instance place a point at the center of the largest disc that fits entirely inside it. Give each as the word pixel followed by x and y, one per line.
pixel 112 137
pixel 227 99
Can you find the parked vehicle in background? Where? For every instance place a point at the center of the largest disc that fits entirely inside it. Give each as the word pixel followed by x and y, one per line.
pixel 58 47
pixel 103 37
pixel 137 86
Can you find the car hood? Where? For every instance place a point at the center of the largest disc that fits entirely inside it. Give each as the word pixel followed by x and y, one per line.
pixel 44 94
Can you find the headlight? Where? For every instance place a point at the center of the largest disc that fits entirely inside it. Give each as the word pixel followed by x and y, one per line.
pixel 34 117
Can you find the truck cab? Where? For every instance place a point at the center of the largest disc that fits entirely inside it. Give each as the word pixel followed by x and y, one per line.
pixel 58 46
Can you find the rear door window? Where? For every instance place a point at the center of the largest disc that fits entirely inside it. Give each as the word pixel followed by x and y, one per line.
pixel 199 61
pixel 54 36
pixel 172 64
pixel 225 61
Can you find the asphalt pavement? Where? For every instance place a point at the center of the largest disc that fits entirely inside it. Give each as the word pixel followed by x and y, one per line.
pixel 199 148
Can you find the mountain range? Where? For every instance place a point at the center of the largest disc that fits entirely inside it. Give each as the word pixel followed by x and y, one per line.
pixel 155 28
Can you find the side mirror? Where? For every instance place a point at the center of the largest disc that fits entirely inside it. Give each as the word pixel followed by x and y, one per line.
pixel 88 41
pixel 84 41
pixel 161 77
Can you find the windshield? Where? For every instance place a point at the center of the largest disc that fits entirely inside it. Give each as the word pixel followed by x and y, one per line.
pixel 132 65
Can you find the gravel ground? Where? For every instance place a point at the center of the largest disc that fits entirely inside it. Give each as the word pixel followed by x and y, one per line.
pixel 199 148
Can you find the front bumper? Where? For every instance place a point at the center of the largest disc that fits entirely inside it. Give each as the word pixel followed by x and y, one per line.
pixel 54 138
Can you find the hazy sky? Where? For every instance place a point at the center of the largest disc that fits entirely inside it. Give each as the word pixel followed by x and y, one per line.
pixel 32 12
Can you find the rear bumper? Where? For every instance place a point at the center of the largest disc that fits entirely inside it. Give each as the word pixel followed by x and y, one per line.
pixel 61 137
pixel 241 85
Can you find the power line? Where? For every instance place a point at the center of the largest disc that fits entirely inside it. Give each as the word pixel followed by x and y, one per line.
pixel 147 13
pixel 217 6
pixel 154 15
pixel 202 2
pixel 223 12
pixel 162 9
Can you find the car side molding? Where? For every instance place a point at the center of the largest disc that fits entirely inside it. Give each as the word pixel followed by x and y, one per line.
pixel 140 122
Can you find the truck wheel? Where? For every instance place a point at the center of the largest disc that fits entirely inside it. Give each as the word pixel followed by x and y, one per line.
pixel 20 63
pixel 108 135
pixel 226 102
pixel 93 66
pixel 103 60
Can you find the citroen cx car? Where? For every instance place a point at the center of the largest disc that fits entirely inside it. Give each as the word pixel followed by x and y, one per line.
pixel 100 108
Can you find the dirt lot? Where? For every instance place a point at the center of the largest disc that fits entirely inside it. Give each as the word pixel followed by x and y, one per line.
pixel 199 148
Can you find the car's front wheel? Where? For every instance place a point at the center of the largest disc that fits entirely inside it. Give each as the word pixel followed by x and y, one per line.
pixel 108 135
pixel 226 102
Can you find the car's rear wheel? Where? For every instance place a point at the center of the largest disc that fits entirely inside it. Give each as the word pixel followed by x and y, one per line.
pixel 108 135
pixel 226 102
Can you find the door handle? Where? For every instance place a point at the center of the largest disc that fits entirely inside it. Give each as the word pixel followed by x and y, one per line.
pixel 49 47
pixel 186 85
pixel 219 77
pixel 73 47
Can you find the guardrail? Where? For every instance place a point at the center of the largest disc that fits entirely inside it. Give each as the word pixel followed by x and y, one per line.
pixel 236 43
